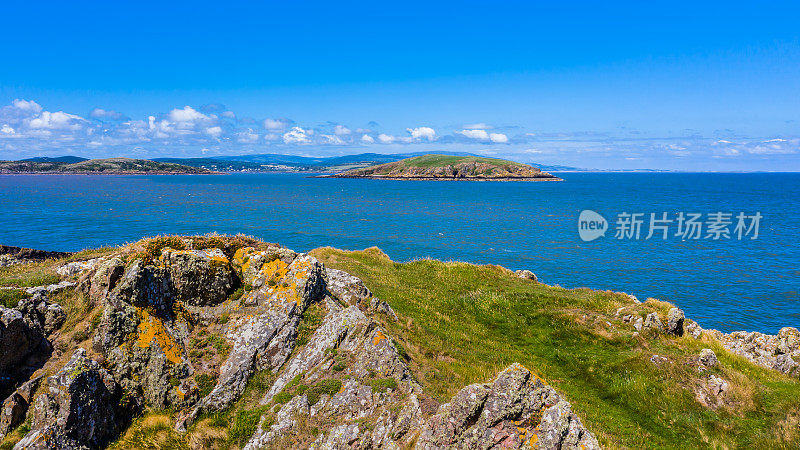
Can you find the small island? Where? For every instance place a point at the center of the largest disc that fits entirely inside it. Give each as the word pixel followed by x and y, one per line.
pixel 109 166
pixel 446 167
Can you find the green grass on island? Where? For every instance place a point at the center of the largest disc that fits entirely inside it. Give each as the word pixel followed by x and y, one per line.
pixel 447 160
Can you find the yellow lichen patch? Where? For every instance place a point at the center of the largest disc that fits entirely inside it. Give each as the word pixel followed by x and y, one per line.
pixel 274 270
pixel 379 336
pixel 151 329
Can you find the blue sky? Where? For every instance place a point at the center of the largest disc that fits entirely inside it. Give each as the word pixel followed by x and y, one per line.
pixel 711 86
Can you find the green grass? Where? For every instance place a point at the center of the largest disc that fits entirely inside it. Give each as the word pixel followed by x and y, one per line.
pixel 445 160
pixel 29 275
pixel 461 324
pixel 10 297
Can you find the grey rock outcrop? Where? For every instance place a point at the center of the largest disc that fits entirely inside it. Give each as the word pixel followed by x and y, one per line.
pixel 780 352
pixel 79 410
pixel 653 322
pixel 517 409
pixel 526 275
pixel 675 320
pixel 708 358
pixel 15 407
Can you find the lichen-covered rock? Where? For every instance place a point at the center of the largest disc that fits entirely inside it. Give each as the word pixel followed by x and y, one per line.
pixel 75 267
pixel 708 358
pixel 14 408
pixel 300 281
pixel 653 322
pixel 79 410
pixel 50 288
pixel 517 409
pixel 249 262
pixel 346 287
pixel 101 278
pixel 675 320
pixel 199 277
pixel 780 352
pixel 526 275
pixel 693 329
pixel 40 313
pixel 265 340
pixel 711 392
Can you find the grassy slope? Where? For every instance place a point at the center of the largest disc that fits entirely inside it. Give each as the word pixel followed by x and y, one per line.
pixel 446 160
pixel 462 323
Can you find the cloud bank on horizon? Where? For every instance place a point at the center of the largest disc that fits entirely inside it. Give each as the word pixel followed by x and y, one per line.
pixel 27 129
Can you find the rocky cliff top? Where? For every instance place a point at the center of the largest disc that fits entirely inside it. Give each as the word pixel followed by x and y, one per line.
pixel 230 342
pixel 447 167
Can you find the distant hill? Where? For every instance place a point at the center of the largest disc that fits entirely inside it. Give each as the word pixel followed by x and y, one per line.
pixel 274 162
pixel 448 167
pixel 122 166
pixel 57 159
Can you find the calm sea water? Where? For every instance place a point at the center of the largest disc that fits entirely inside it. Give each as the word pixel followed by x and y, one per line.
pixel 726 284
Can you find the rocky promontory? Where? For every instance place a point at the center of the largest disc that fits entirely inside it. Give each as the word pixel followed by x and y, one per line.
pixel 230 342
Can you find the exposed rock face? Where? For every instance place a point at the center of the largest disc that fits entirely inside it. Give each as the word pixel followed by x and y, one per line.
pixel 15 407
pixel 653 322
pixel 265 340
pixel 526 275
pixel 675 320
pixel 712 392
pixel 51 288
pixel 23 345
pixel 708 358
pixel 780 352
pixel 99 279
pixel 75 267
pixel 516 409
pixel 199 277
pixel 79 409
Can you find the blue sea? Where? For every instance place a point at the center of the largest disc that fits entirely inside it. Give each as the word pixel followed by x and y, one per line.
pixel 728 284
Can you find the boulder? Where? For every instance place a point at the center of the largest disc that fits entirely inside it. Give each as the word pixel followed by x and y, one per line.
pixel 15 407
pixel 40 313
pixel 708 358
pixel 199 277
pixel 79 410
pixel 653 322
pixel 50 288
pixel 526 275
pixel 23 346
pixel 347 288
pixel 102 278
pixel 675 320
pixel 75 267
pixel 516 409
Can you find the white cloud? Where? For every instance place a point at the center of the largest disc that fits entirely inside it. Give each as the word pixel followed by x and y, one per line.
pixel 7 129
pixel 297 135
pixel 341 130
pixel 422 133
pixel 276 124
pixel 56 121
pixel 499 138
pixel 27 105
pixel 229 115
pixel 475 134
pixel 187 114
pixel 332 139
pixel 214 131
pixel 367 139
pixel 478 126
pixel 100 113
pixel 247 136
pixel 385 138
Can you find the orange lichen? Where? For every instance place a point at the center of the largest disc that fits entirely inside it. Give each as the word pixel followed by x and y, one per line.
pixel 379 336
pixel 151 329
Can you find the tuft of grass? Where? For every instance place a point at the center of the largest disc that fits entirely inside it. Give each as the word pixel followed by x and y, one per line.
pixel 382 384
pixel 10 297
pixel 321 388
pixel 462 323
pixel 312 319
pixel 31 274
pixel 205 383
